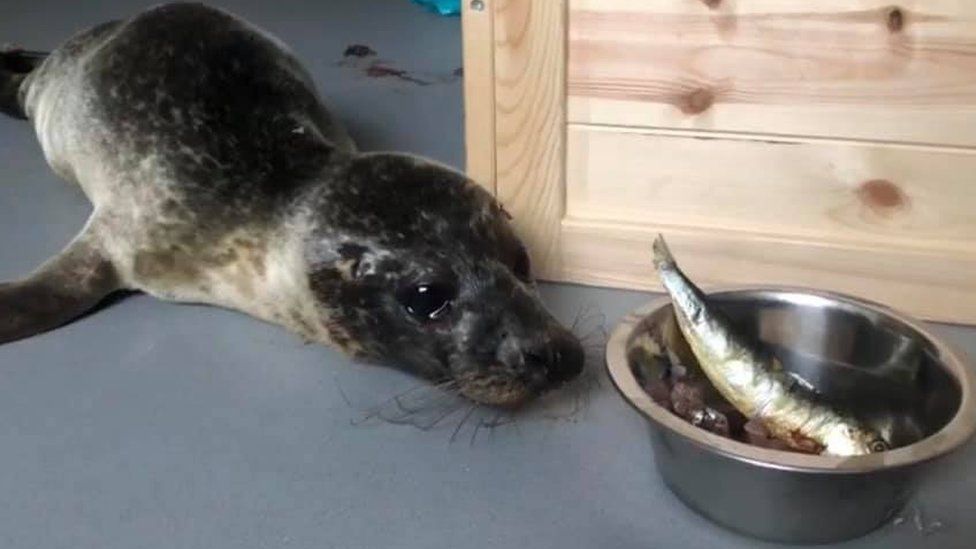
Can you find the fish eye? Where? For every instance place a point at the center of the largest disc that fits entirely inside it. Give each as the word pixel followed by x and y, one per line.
pixel 878 446
pixel 427 301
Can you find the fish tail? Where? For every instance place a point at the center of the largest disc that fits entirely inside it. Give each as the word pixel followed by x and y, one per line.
pixel 672 277
pixel 662 255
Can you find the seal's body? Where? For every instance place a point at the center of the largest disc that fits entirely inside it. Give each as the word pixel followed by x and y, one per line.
pixel 218 176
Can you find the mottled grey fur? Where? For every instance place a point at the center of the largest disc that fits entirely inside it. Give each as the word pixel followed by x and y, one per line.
pixel 218 176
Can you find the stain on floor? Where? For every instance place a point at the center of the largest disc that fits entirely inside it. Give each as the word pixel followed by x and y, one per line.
pixel 364 59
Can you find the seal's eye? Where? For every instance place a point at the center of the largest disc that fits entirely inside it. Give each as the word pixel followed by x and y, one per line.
pixel 429 301
pixel 522 267
pixel 878 446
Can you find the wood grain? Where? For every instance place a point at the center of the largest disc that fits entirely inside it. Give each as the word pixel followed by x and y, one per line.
pixel 929 285
pixel 856 69
pixel 479 93
pixel 909 197
pixel 530 123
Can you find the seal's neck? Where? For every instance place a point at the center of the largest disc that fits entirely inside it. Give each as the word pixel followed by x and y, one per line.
pixel 285 297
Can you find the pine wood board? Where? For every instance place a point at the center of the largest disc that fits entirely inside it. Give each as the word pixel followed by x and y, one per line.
pixel 911 197
pixel 853 69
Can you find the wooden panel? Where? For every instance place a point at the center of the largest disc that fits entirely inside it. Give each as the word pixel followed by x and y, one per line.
pixel 479 93
pixel 928 285
pixel 889 196
pixel 530 123
pixel 859 69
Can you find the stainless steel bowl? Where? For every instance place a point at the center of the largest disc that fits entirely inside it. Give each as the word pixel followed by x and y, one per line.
pixel 887 367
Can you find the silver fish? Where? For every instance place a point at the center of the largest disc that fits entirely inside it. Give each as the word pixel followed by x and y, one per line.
pixel 755 383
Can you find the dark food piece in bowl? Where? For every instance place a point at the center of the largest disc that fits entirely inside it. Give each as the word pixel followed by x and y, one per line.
pixel 694 400
pixel 712 420
pixel 688 398
pixel 660 391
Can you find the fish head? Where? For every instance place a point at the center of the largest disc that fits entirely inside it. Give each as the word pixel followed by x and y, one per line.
pixel 848 440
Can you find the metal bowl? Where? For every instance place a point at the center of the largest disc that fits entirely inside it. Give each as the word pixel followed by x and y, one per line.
pixel 886 367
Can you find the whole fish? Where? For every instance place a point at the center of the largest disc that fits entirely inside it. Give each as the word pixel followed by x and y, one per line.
pixel 755 382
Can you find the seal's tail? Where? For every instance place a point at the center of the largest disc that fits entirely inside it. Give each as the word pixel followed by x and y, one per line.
pixel 15 65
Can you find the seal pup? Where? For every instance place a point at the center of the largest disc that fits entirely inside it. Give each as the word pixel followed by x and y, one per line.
pixel 217 175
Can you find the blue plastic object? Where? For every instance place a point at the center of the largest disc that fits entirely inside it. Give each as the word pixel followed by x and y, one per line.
pixel 442 7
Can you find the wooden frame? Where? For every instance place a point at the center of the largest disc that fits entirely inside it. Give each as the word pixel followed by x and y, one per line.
pixel 515 115
pixel 550 130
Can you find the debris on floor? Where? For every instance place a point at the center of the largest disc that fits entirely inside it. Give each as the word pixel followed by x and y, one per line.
pixel 358 50
pixel 363 59
pixel 377 70
pixel 920 525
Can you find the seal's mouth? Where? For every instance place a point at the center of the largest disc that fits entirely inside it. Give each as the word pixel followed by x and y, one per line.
pixel 501 386
pixel 499 389
pixel 524 368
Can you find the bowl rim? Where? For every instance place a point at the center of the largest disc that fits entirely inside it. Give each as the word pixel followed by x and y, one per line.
pixel 947 439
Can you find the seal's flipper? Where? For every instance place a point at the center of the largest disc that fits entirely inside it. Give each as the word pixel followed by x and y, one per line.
pixel 62 289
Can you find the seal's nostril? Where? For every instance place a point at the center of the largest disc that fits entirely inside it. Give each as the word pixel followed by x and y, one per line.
pixel 567 361
pixel 535 359
pixel 552 362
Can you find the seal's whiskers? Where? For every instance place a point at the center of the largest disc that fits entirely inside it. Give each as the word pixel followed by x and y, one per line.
pixel 460 425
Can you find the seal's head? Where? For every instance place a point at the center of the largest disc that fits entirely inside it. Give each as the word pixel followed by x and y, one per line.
pixel 415 265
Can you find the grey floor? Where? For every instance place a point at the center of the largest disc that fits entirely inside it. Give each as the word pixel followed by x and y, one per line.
pixel 152 425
